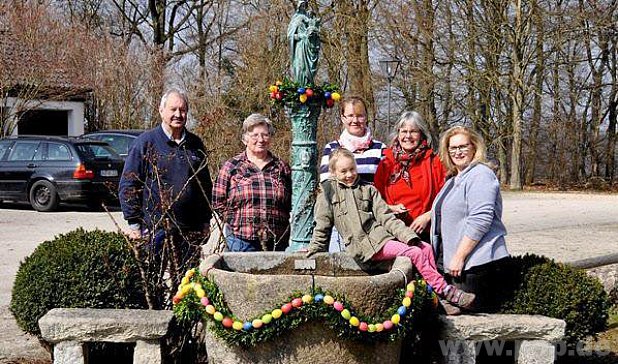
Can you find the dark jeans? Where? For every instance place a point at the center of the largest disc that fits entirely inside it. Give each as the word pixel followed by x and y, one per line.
pixel 490 282
pixel 236 244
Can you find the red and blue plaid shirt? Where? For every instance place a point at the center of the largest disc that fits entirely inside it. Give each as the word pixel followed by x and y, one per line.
pixel 254 202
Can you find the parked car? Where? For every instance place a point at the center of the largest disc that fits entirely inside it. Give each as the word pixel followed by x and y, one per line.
pixel 47 170
pixel 120 140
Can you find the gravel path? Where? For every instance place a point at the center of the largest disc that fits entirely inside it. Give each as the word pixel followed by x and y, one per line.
pixel 563 226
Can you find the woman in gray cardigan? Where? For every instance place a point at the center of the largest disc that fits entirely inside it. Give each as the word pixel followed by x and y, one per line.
pixel 466 227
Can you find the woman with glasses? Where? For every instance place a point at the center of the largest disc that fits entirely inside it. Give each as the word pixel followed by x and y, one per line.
pixel 411 174
pixel 357 138
pixel 253 192
pixel 467 232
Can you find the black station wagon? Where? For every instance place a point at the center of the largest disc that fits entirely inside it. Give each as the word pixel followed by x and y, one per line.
pixel 120 140
pixel 47 170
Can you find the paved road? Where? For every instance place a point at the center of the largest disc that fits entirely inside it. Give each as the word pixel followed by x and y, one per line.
pixel 563 226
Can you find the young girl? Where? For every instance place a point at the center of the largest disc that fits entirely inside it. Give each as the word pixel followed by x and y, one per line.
pixel 370 231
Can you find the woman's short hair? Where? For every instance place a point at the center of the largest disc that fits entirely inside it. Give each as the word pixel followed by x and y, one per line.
pixel 416 120
pixel 174 91
pixel 254 120
pixel 480 149
pixel 337 154
pixel 354 99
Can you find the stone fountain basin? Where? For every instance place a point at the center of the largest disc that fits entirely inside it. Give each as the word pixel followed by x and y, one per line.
pixel 255 283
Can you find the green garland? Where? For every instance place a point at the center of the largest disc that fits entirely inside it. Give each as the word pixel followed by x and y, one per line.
pixel 293 94
pixel 200 298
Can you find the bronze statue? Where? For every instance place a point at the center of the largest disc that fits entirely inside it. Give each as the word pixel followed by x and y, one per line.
pixel 304 39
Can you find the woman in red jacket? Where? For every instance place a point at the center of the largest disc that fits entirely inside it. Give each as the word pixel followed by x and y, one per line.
pixel 411 174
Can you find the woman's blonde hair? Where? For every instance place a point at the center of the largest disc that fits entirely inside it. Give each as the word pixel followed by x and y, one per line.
pixel 353 100
pixel 480 150
pixel 337 154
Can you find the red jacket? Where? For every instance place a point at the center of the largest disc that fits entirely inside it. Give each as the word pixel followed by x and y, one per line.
pixel 427 177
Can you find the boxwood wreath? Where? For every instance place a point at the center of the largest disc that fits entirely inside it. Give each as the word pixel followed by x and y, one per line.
pixel 293 94
pixel 200 298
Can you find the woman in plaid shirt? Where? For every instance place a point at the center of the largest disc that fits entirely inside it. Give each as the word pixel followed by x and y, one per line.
pixel 253 192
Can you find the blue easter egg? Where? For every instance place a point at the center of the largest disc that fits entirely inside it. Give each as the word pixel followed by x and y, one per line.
pixel 318 297
pixel 402 310
pixel 247 326
pixel 301 90
pixel 327 95
pixel 429 289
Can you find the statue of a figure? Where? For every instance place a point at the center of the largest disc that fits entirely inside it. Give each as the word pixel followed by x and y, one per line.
pixel 304 39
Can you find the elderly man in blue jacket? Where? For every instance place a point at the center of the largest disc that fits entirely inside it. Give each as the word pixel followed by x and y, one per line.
pixel 165 185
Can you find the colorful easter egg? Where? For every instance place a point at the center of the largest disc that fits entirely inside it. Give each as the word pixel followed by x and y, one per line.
pixel 335 96
pixel 379 327
pixel 237 325
pixel 307 298
pixel 354 321
pixel 338 306
pixel 297 302
pixel 247 326
pixel 210 309
pixel 329 300
pixel 318 297
pixel 388 324
pixel 218 316
pixel 363 326
pixel 406 301
pixel 402 310
pixel 395 319
pixel 346 314
pixel 286 308
pixel 227 322
pixel 204 301
pixel 276 313
pixel 267 318
pixel 257 323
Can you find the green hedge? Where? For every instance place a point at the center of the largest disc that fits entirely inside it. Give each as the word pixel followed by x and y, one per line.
pixel 88 269
pixel 545 287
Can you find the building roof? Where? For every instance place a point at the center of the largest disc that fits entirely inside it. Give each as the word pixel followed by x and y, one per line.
pixel 26 68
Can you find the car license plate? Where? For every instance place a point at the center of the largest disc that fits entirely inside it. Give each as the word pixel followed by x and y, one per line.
pixel 109 173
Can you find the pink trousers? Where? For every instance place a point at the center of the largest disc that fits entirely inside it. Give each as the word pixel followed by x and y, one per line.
pixel 421 256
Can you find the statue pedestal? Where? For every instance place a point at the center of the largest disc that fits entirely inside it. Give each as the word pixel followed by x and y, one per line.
pixel 255 283
pixel 304 173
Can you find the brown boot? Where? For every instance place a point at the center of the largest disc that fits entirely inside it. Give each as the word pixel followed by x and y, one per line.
pixel 459 298
pixel 449 309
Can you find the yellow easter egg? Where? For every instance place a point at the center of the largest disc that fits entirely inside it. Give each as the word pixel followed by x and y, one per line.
pixel 273 88
pixel 395 319
pixel 335 96
pixel 237 325
pixel 302 98
pixel 371 328
pixel 184 280
pixel 354 321
pixel 307 298
pixel 379 327
pixel 329 300
pixel 200 293
pixel 277 313
pixel 346 314
pixel 210 309
pixel 410 287
pixel 406 301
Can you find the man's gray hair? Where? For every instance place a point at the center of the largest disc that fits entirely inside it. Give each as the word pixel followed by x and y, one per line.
pixel 414 118
pixel 256 119
pixel 174 91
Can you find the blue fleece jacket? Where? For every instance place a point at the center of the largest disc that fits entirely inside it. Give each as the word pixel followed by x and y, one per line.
pixel 470 204
pixel 162 177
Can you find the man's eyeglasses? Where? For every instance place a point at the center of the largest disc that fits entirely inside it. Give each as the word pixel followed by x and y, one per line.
pixel 358 117
pixel 464 148
pixel 257 136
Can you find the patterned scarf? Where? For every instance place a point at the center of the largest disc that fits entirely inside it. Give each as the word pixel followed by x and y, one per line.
pixel 355 144
pixel 404 159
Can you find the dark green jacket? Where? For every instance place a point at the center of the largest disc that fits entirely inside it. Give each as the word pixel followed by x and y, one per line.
pixel 361 217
